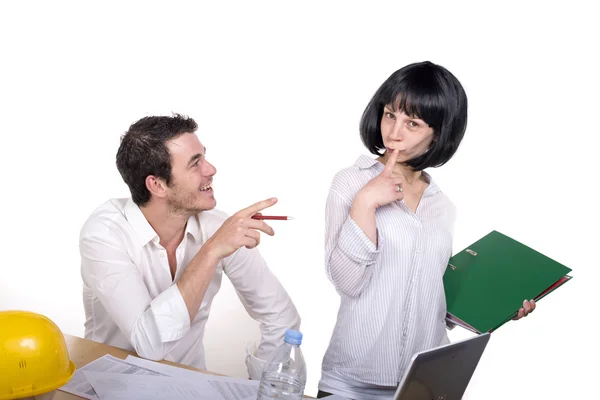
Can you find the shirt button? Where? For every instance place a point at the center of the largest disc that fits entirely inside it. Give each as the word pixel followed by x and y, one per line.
pixel 162 254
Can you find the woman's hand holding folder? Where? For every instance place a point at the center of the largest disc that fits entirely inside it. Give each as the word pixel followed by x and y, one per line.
pixel 528 307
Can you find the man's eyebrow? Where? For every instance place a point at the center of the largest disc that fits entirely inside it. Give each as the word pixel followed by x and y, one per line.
pixel 195 157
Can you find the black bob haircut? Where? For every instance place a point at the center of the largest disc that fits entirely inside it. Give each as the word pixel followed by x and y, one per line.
pixel 426 91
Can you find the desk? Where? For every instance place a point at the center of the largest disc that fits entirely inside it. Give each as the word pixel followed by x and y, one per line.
pixel 84 351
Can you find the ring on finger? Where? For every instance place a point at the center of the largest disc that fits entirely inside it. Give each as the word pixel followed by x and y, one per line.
pixel 399 188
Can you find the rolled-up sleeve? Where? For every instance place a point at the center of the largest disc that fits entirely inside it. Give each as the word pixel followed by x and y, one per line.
pixel 265 300
pixel 153 326
pixel 349 253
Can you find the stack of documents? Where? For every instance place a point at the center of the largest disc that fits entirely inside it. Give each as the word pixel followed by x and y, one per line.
pixel 487 282
pixel 135 378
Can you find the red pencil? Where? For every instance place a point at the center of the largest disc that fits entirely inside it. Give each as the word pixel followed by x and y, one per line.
pixel 278 217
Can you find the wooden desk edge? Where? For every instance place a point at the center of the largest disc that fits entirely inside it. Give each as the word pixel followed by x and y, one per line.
pixel 84 351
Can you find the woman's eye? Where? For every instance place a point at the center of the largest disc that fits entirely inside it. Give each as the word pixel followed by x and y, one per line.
pixel 389 115
pixel 412 124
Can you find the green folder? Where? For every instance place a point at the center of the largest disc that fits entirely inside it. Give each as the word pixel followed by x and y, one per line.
pixel 487 282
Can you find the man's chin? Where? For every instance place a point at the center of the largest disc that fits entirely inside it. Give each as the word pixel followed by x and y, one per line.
pixel 206 206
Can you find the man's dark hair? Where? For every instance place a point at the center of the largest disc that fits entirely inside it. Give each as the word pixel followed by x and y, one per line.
pixel 143 151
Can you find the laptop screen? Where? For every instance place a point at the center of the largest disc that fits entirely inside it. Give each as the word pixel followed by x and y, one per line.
pixel 442 373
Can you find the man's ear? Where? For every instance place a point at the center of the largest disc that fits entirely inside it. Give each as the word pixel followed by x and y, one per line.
pixel 156 186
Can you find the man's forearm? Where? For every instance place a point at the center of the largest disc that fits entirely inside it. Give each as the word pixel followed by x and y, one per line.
pixel 195 280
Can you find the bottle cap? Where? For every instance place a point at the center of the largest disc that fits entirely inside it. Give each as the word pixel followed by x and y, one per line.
pixel 293 336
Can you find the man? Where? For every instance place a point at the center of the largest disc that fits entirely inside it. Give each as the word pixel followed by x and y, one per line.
pixel 152 264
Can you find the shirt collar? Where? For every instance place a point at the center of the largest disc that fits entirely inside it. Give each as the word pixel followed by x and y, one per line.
pixel 193 228
pixel 365 162
pixel 144 230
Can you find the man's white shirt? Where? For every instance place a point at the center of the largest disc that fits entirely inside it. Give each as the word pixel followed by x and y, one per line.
pixel 132 302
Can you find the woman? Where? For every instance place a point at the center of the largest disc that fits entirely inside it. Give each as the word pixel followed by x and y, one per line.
pixel 389 234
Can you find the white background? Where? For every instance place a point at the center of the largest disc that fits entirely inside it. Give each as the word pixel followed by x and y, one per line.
pixel 278 89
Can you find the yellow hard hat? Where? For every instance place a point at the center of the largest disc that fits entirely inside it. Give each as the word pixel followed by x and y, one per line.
pixel 33 355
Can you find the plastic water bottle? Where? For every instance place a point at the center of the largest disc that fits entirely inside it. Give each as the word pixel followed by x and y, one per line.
pixel 284 376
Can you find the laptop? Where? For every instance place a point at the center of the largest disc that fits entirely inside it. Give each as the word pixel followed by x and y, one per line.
pixel 442 373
